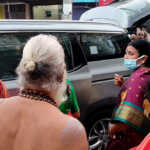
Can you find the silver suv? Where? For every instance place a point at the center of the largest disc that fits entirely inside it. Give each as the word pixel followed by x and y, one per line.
pixel 128 14
pixel 93 55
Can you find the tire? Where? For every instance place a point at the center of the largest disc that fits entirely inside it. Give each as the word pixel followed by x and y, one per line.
pixel 97 130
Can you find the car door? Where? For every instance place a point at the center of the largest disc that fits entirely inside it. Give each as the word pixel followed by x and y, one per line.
pixel 104 54
pixel 11 47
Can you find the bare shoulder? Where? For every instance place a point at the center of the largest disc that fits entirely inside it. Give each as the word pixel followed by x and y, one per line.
pixel 1 100
pixel 74 135
pixel 4 102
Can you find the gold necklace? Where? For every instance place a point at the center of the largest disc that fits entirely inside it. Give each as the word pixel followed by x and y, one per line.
pixel 37 95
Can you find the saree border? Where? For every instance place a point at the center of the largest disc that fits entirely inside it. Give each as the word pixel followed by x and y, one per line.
pixel 132 115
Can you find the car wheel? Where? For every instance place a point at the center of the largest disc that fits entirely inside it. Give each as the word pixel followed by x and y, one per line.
pixel 98 131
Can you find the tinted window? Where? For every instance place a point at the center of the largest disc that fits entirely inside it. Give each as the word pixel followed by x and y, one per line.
pixel 77 55
pixel 73 54
pixel 11 46
pixel 99 47
pixel 10 54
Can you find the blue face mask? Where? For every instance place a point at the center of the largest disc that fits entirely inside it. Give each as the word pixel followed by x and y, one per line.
pixel 131 63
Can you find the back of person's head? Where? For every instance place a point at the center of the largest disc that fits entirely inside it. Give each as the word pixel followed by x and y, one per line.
pixel 42 66
pixel 146 26
pixel 143 48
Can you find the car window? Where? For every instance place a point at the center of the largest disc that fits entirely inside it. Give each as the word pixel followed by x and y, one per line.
pixel 121 41
pixel 11 46
pixel 100 47
pixel 73 53
pixel 10 54
pixel 77 55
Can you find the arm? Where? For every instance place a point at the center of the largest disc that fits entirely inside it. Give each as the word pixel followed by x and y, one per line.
pixel 75 110
pixel 117 128
pixel 76 114
pixel 4 89
pixel 75 107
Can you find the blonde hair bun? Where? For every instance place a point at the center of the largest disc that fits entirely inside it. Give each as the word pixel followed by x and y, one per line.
pixel 30 66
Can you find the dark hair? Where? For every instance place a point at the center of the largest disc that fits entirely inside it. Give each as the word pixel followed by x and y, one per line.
pixel 147 93
pixel 143 48
pixel 40 71
pixel 146 26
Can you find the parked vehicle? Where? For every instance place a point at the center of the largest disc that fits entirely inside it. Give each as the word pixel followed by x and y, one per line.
pixel 93 53
pixel 126 13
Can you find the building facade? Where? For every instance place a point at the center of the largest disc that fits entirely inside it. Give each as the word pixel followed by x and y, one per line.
pixel 80 6
pixel 47 9
pixel 30 9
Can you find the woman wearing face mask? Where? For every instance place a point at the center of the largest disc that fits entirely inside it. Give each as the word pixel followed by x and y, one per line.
pixel 129 124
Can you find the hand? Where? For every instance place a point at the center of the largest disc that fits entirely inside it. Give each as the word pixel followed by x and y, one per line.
pixel 76 115
pixel 118 79
pixel 133 37
pixel 116 128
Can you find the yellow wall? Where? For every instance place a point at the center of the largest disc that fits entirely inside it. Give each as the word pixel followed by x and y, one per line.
pixel 39 12
pixel 1 12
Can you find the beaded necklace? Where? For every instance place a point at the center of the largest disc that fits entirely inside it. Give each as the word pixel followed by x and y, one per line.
pixel 37 95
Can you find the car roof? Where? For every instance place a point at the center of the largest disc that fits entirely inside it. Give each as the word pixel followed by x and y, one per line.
pixel 59 25
pixel 124 13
